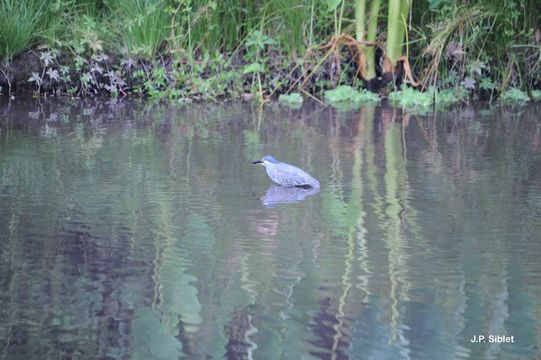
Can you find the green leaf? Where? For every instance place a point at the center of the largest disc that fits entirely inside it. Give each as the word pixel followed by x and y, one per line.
pixel 447 97
pixel 293 100
pixel 253 68
pixel 346 98
pixel 536 95
pixel 515 96
pixel 433 3
pixel 332 4
pixel 486 84
pixel 477 67
pixel 413 100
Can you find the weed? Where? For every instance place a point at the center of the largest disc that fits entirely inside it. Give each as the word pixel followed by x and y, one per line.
pixel 145 25
pixel 448 97
pixel 345 97
pixel 413 100
pixel 20 25
pixel 514 96
pixel 293 100
pixel 209 49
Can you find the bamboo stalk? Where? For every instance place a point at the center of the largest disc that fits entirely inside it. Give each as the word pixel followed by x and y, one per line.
pixel 360 14
pixel 371 36
pixel 396 29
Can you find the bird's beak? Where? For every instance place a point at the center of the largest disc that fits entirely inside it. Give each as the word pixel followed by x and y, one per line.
pixel 257 162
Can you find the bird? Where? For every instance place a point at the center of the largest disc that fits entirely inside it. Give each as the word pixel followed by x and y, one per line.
pixel 285 174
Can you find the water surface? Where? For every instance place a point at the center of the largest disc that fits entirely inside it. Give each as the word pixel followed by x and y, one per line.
pixel 132 230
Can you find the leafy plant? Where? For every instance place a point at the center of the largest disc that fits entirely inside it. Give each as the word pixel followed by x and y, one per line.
pixel 515 96
pixel 209 49
pixel 293 100
pixel 345 97
pixel 536 95
pixel 413 100
pixel 447 97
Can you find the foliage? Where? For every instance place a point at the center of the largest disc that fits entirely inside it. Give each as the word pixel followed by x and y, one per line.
pixel 145 25
pixel 20 24
pixel 536 95
pixel 412 100
pixel 208 49
pixel 293 100
pixel 449 97
pixel 515 96
pixel 423 102
pixel 345 97
pixel 489 42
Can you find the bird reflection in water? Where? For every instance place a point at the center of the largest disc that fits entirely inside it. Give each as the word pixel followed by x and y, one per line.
pixel 277 194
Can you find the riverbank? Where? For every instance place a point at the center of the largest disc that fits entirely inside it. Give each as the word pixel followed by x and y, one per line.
pixel 333 51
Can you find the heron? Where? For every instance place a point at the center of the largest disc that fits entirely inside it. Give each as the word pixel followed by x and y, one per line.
pixel 285 174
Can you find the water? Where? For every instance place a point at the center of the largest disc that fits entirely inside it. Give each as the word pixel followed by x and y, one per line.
pixel 138 231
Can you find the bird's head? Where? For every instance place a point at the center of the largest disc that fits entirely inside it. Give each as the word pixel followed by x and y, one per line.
pixel 266 160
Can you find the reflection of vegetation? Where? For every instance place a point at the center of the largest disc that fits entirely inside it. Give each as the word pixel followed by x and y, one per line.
pixel 354 219
pixel 149 338
pixel 395 185
pixel 142 238
pixel 178 298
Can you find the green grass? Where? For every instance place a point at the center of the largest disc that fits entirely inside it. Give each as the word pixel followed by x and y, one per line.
pixel 274 46
pixel 208 25
pixel 144 25
pixel 21 23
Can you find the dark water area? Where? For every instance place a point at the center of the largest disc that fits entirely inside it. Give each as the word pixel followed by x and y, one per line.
pixel 131 230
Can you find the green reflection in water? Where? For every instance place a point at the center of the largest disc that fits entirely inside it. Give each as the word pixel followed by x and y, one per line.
pixel 137 231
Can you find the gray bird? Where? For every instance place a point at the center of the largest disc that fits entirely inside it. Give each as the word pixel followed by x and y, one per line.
pixel 285 174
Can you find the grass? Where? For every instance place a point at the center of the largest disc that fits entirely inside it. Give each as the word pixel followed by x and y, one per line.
pixel 479 40
pixel 21 23
pixel 144 25
pixel 205 25
pixel 214 49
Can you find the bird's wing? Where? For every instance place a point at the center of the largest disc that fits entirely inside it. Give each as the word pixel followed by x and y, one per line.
pixel 293 176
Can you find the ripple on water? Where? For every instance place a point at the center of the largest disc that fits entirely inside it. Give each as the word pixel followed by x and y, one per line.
pixel 120 240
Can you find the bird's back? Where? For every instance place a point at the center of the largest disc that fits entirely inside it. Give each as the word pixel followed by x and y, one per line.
pixel 289 175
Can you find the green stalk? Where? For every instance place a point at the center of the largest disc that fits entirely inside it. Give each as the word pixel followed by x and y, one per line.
pixel 368 52
pixel 311 36
pixel 396 28
pixel 360 14
pixel 371 37
pixel 360 11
